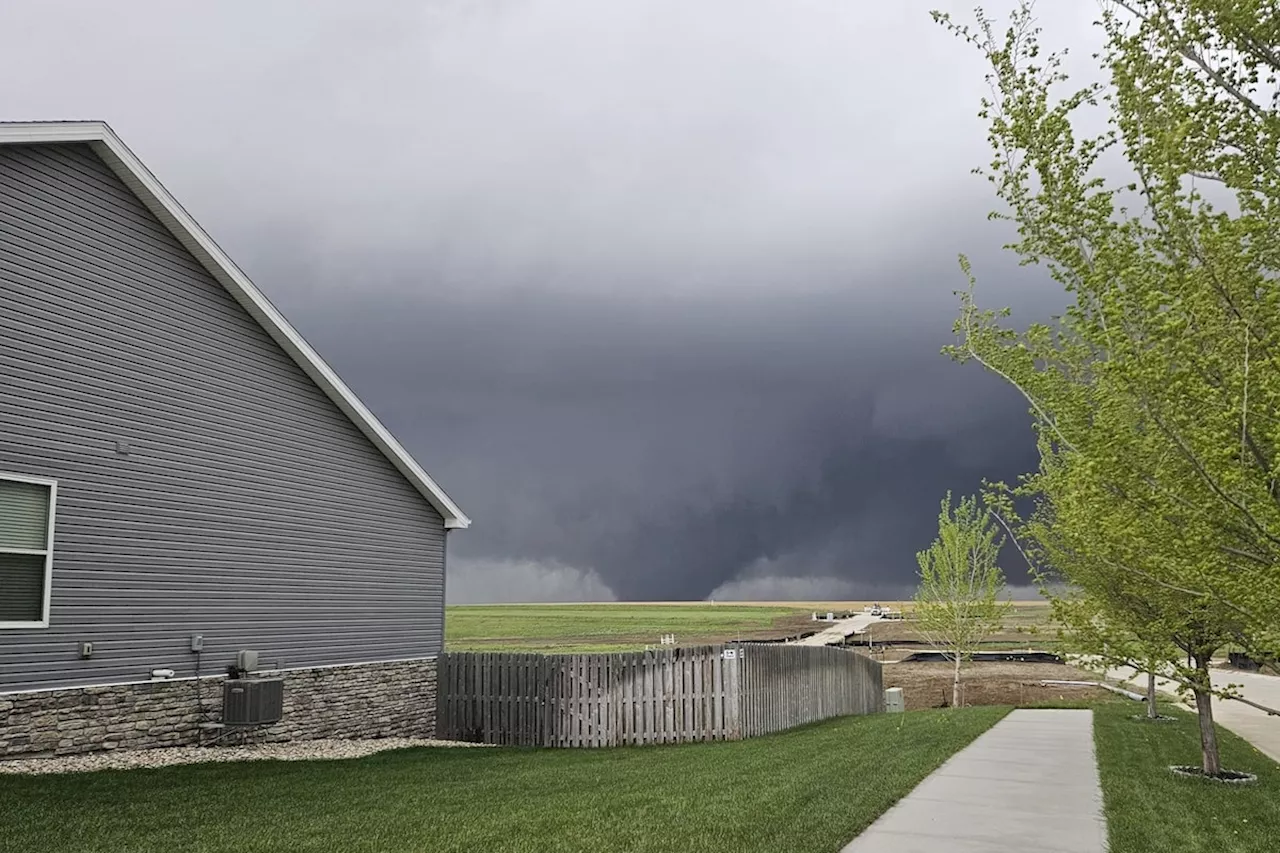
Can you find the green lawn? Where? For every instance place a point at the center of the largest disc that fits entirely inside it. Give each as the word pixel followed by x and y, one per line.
pixel 610 627
pixel 767 795
pixel 1149 810
pixel 809 790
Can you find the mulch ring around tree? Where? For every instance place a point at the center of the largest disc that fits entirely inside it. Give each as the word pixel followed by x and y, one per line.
pixel 1226 777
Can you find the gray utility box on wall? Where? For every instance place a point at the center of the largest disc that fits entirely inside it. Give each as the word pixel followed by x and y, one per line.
pixel 252 701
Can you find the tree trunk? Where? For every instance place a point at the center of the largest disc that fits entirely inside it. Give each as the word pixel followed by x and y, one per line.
pixel 1210 760
pixel 955 684
pixel 1151 696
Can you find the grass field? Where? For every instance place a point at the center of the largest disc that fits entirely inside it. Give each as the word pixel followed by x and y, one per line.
pixel 1149 810
pixel 766 795
pixel 622 627
pixel 613 627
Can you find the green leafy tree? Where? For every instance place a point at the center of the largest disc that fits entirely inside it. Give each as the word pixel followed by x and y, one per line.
pixel 1088 630
pixel 1156 395
pixel 958 603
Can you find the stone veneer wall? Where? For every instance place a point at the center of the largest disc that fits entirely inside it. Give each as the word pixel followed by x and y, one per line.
pixel 365 701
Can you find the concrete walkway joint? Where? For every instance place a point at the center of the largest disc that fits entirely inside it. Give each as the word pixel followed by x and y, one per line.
pixel 1030 782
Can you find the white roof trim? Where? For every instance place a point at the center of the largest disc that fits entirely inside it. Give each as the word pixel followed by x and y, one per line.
pixel 152 193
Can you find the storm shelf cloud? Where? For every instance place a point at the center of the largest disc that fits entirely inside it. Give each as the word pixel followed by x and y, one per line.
pixel 656 290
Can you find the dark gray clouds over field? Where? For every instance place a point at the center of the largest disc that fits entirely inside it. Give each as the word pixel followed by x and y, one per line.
pixel 654 289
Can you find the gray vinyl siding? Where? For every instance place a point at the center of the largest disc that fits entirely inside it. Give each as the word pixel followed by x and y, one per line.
pixel 247 508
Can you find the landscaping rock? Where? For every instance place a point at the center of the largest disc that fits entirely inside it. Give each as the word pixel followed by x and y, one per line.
pixel 311 750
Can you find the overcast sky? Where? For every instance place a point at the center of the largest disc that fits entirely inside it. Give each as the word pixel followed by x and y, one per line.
pixel 654 289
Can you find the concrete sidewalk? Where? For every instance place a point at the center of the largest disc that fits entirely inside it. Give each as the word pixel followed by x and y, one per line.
pixel 1029 783
pixel 1259 728
pixel 837 631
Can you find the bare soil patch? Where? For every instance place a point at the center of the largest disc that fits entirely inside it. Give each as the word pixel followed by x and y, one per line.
pixel 928 685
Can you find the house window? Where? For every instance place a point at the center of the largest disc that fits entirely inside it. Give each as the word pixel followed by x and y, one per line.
pixel 26 550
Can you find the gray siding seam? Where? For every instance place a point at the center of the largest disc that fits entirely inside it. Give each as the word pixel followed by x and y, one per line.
pixel 101 190
pixel 231 477
pixel 30 194
pixel 122 288
pixel 73 221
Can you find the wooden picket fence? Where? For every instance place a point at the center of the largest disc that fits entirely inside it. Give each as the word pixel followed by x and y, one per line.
pixel 659 696
pixel 788 686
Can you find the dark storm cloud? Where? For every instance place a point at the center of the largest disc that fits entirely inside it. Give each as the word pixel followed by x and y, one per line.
pixel 675 455
pixel 654 289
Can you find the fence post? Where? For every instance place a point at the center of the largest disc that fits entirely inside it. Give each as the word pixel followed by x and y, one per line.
pixel 737 682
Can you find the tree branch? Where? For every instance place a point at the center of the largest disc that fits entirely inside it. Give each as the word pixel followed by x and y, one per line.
pixel 1180 42
pixel 1044 416
pixel 1161 582
pixel 1204 475
pixel 1272 711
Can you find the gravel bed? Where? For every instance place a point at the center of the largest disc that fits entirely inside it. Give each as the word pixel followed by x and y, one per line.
pixel 308 750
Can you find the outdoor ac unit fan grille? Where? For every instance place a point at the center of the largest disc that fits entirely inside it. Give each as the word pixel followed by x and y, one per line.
pixel 252 701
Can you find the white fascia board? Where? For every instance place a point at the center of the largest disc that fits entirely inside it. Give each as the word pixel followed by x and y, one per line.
pixel 166 208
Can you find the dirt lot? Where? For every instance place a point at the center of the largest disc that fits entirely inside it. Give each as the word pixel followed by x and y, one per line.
pixel 928 685
pixel 1027 626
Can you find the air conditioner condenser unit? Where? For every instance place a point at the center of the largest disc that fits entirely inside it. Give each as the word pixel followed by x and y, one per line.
pixel 252 701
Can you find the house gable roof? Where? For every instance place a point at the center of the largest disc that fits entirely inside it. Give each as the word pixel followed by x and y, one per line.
pixel 104 142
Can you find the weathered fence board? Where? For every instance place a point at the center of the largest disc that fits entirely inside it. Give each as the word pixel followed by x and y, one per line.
pixel 786 686
pixel 658 696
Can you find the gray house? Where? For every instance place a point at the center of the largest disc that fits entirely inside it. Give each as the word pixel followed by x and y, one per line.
pixel 183 478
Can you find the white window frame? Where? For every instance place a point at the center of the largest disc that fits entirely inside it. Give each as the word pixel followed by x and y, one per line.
pixel 47 552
